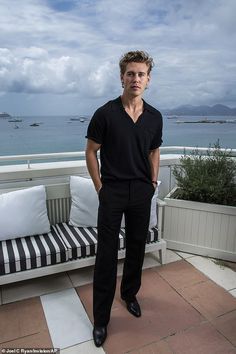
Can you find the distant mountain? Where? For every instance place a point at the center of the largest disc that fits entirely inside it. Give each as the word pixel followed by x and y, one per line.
pixel 216 110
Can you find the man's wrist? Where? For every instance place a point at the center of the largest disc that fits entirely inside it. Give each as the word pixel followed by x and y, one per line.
pixel 98 189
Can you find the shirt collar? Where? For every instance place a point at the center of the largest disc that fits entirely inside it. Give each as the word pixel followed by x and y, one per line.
pixel 146 106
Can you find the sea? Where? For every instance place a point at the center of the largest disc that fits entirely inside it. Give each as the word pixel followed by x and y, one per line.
pixel 51 134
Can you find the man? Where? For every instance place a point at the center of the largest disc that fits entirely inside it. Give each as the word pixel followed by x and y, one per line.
pixel 128 133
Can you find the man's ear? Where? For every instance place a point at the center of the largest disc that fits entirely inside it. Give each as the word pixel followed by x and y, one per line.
pixel 122 80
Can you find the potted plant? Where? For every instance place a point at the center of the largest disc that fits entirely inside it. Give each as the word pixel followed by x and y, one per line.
pixel 200 212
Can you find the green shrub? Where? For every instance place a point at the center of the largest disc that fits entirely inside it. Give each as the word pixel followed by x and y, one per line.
pixel 208 178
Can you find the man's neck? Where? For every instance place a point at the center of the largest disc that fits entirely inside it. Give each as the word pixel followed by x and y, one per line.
pixel 132 103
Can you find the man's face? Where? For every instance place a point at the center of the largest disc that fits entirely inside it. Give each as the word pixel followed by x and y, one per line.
pixel 135 78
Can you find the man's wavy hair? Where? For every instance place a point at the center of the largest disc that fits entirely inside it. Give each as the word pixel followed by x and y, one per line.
pixel 137 56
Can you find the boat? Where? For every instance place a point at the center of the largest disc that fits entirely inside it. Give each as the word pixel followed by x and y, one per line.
pixel 34 125
pixel 4 115
pixel 15 120
pixel 81 119
pixel 172 117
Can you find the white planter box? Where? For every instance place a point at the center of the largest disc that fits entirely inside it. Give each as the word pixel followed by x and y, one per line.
pixel 200 228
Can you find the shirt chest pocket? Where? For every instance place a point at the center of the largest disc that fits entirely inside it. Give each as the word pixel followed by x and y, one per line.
pixel 145 137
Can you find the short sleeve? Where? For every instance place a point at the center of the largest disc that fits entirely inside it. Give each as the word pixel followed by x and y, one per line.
pixel 157 139
pixel 96 127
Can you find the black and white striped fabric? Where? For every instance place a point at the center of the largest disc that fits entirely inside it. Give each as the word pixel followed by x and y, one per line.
pixel 82 242
pixel 152 235
pixel 63 243
pixel 32 252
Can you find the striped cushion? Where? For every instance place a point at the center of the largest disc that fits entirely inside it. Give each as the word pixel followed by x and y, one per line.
pixel 81 242
pixel 63 243
pixel 152 235
pixel 32 252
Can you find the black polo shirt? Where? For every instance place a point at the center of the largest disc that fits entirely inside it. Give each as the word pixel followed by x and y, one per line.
pixel 125 145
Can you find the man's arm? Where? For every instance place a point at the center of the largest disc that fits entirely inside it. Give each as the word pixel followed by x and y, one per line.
pixel 92 163
pixel 154 159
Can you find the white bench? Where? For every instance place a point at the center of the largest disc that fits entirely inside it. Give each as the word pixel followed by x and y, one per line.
pixel 65 248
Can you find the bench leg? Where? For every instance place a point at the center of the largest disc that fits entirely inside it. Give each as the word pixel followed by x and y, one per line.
pixel 162 255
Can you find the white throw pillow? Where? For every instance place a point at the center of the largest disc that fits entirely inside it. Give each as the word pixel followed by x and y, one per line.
pixel 153 213
pixel 84 206
pixel 23 213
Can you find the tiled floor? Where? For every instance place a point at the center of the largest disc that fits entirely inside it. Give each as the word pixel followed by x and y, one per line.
pixel 188 306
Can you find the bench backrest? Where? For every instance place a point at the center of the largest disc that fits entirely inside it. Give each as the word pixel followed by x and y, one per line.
pixel 58 202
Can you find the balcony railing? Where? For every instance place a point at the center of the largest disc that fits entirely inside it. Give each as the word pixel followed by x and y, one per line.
pixel 81 154
pixel 19 170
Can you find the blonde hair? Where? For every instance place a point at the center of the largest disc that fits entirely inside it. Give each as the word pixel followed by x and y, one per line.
pixel 137 56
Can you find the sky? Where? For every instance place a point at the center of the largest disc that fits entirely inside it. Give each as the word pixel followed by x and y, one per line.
pixel 61 57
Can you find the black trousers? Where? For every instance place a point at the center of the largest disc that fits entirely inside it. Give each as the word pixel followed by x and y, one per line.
pixel 133 198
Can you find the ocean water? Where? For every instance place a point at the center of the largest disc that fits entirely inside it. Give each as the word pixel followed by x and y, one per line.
pixel 200 134
pixel 61 134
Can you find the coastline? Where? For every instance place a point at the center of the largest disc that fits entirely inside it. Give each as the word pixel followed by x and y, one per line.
pixel 208 121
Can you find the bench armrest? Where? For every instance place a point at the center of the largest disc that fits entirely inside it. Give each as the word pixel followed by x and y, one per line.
pixel 160 204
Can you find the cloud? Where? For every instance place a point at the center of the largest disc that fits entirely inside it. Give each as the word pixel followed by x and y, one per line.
pixel 36 72
pixel 72 48
pixel 33 71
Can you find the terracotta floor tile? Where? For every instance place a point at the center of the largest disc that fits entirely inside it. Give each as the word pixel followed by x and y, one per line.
pixel 164 312
pixel 177 304
pixel 226 325
pixel 181 274
pixel 168 313
pixel 209 299
pixel 122 326
pixel 21 318
pixel 38 340
pixel 127 334
pixel 35 287
pixel 160 347
pixel 223 276
pixel 203 339
pixel 153 282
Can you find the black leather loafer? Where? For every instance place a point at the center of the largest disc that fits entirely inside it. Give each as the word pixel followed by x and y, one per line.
pixel 99 335
pixel 134 308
